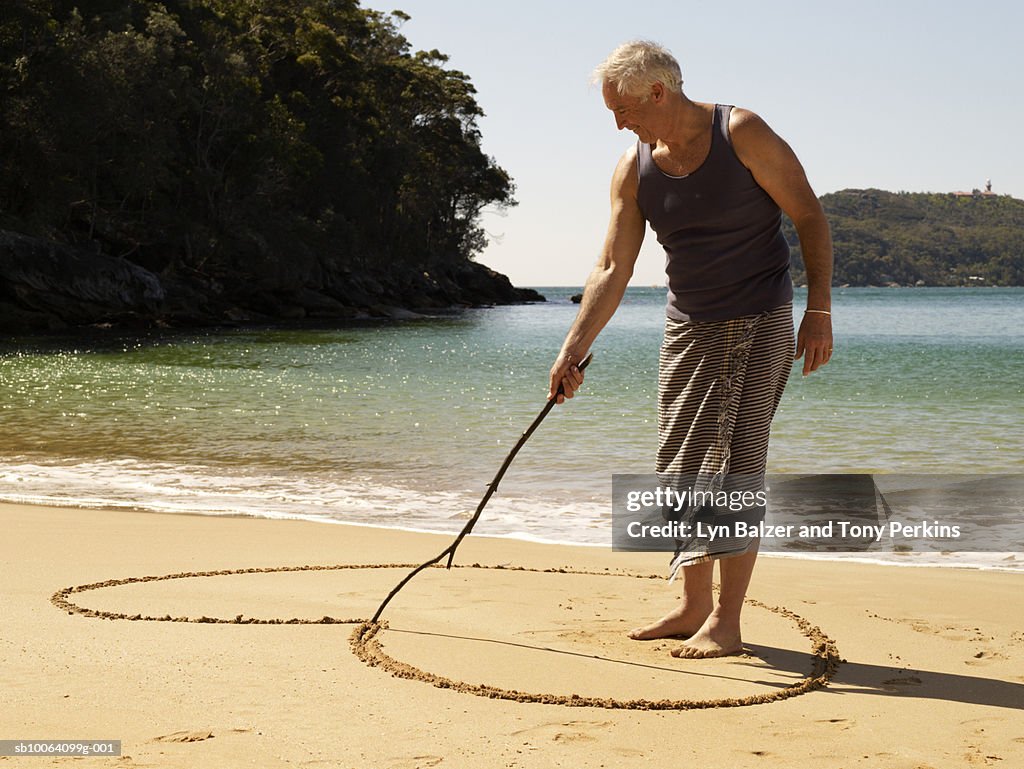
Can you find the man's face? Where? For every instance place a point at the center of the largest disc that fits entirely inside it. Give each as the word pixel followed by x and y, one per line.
pixel 631 112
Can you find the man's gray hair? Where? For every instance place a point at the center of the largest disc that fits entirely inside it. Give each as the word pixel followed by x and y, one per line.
pixel 637 65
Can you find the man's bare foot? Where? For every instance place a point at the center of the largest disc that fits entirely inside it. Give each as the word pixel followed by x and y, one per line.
pixel 714 639
pixel 682 622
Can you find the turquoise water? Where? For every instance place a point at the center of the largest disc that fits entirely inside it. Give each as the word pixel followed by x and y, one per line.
pixel 405 424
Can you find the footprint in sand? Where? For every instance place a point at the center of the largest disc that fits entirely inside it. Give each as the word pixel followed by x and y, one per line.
pixel 985 657
pixel 977 758
pixel 579 731
pixel 948 632
pixel 185 736
pixel 415 762
pixel 573 737
pixel 627 752
pixel 902 681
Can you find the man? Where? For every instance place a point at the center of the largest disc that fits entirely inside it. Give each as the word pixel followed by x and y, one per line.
pixel 711 180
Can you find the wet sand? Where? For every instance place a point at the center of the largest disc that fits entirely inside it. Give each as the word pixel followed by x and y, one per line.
pixel 225 642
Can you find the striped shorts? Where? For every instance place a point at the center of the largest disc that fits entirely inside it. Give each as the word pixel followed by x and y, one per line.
pixel 719 385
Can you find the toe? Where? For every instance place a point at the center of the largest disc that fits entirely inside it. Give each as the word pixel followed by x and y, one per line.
pixel 700 652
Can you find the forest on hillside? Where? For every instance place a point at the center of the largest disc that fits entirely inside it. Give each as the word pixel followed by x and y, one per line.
pixel 243 152
pixel 883 238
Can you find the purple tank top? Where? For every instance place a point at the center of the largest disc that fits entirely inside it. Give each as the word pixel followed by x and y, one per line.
pixel 725 254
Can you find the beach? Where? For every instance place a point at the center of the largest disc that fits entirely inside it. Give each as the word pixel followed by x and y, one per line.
pixel 266 358
pixel 926 663
pixel 197 525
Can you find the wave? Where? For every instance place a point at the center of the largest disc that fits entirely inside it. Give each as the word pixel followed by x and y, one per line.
pixel 131 484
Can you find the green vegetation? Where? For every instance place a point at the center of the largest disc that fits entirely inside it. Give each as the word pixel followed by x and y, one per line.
pixel 938 239
pixel 244 146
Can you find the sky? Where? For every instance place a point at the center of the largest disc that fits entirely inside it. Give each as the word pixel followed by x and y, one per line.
pixel 899 95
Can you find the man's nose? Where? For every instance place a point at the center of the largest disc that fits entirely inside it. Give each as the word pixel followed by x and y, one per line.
pixel 620 122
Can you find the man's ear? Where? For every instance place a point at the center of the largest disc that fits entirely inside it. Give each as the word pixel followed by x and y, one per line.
pixel 657 92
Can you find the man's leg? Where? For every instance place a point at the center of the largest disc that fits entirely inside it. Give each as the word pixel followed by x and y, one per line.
pixel 720 633
pixel 695 608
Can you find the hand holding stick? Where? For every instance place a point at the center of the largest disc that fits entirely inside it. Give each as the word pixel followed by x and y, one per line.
pixel 491 488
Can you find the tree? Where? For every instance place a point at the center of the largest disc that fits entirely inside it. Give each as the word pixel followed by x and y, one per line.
pixel 255 142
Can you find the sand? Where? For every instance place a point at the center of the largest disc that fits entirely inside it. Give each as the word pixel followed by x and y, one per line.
pixel 230 642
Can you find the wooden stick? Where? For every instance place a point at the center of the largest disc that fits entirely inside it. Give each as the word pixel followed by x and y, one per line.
pixel 491 488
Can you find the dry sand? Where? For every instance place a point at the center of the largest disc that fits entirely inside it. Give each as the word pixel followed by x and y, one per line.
pixel 928 663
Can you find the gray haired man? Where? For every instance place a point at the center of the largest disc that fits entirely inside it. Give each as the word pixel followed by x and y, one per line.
pixel 713 182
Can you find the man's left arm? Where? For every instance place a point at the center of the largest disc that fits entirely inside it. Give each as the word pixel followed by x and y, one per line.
pixel 776 168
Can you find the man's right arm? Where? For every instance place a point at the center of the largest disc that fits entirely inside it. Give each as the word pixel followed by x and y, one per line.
pixel 608 280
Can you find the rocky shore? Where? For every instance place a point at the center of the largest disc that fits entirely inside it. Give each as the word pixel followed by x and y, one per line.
pixel 50 287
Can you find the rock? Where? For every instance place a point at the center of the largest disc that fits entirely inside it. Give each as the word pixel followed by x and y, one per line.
pixel 482 285
pixel 53 285
pixel 318 305
pixel 47 286
pixel 239 315
pixel 188 304
pixel 19 320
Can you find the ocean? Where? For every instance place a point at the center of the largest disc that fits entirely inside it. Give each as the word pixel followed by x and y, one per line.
pixel 404 424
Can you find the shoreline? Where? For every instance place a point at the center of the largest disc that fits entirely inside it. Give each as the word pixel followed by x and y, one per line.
pixel 897 559
pixel 936 646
